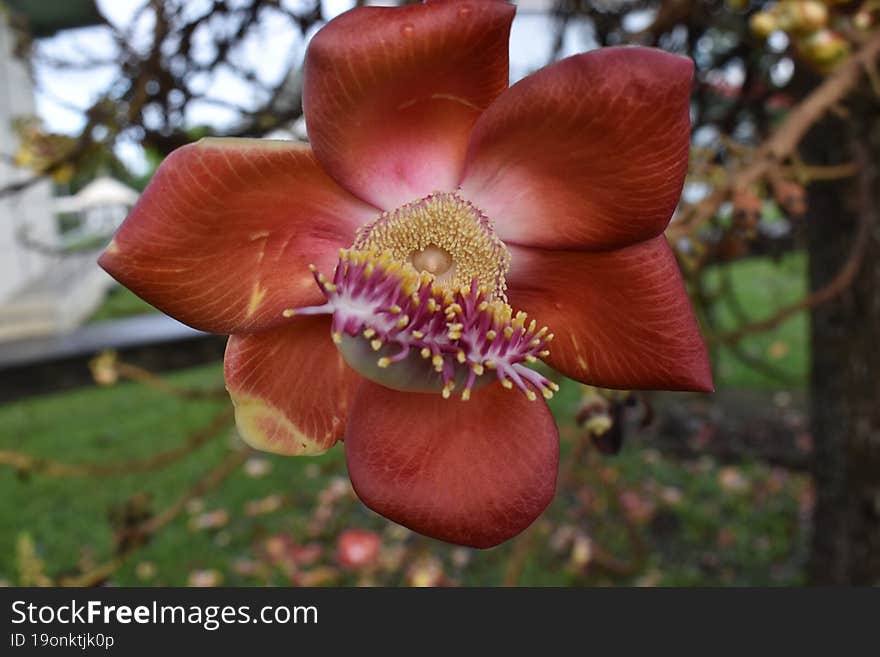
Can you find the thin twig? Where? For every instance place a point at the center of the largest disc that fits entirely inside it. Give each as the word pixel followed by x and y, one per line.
pixel 211 480
pixel 841 281
pixel 782 143
pixel 27 464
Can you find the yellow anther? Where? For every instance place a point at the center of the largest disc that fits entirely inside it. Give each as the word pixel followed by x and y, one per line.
pixel 376 344
pixel 383 362
pixel 418 335
pixel 461 357
pixel 548 394
pixel 530 395
pixel 288 312
pixel 337 337
pixel 465 394
pixel 426 353
pixel 491 335
pixel 477 369
pixel 395 309
pixel 402 322
pixel 369 332
pixel 507 383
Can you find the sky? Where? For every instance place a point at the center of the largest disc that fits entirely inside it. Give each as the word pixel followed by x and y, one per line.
pixel 59 93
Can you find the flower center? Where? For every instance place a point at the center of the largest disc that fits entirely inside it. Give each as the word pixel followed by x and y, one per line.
pixel 418 303
pixel 432 260
pixel 444 236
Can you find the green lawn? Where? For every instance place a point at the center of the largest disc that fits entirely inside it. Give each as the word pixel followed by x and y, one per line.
pixel 760 286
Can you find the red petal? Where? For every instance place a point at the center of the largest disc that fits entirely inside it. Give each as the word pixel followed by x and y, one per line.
pixel 222 237
pixel 290 387
pixel 588 153
pixel 391 93
pixel 621 319
pixel 474 473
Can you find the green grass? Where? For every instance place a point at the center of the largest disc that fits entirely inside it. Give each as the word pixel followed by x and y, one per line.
pixel 68 518
pixel 760 286
pixel 121 302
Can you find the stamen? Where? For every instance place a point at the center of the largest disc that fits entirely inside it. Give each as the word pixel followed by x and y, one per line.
pixel 463 334
pixel 447 238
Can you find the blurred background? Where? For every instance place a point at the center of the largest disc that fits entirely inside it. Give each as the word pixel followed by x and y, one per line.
pixel 119 463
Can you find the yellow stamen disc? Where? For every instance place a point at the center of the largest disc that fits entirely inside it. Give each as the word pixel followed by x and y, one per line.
pixel 445 237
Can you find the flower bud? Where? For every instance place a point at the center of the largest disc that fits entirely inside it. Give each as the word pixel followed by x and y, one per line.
pixel 762 24
pixel 807 17
pixel 791 197
pixel 823 49
pixel 746 209
pixel 863 19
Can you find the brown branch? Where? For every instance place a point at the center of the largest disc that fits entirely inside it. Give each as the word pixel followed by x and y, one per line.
pixel 782 143
pixel 147 378
pixel 806 174
pixel 27 464
pixel 844 277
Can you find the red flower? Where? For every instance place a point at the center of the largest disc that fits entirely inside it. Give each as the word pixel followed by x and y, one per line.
pixel 549 197
pixel 357 548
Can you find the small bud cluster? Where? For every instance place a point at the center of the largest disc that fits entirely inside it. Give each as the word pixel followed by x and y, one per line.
pixel 817 28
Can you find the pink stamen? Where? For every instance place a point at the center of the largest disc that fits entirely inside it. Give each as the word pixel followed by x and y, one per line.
pixel 463 333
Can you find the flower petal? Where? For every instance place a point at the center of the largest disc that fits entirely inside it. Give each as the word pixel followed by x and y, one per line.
pixel 222 237
pixel 621 319
pixel 290 387
pixel 588 153
pixel 391 93
pixel 474 473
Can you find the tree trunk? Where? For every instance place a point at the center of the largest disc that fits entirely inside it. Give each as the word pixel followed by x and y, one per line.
pixel 845 377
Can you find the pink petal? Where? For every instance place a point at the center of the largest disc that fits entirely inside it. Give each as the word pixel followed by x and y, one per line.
pixel 222 237
pixel 621 319
pixel 391 93
pixel 588 153
pixel 290 387
pixel 474 473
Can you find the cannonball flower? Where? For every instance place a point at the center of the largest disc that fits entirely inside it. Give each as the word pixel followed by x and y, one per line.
pixel 441 234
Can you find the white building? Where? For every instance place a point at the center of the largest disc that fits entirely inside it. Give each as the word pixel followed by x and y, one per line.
pixel 46 286
pixel 31 208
